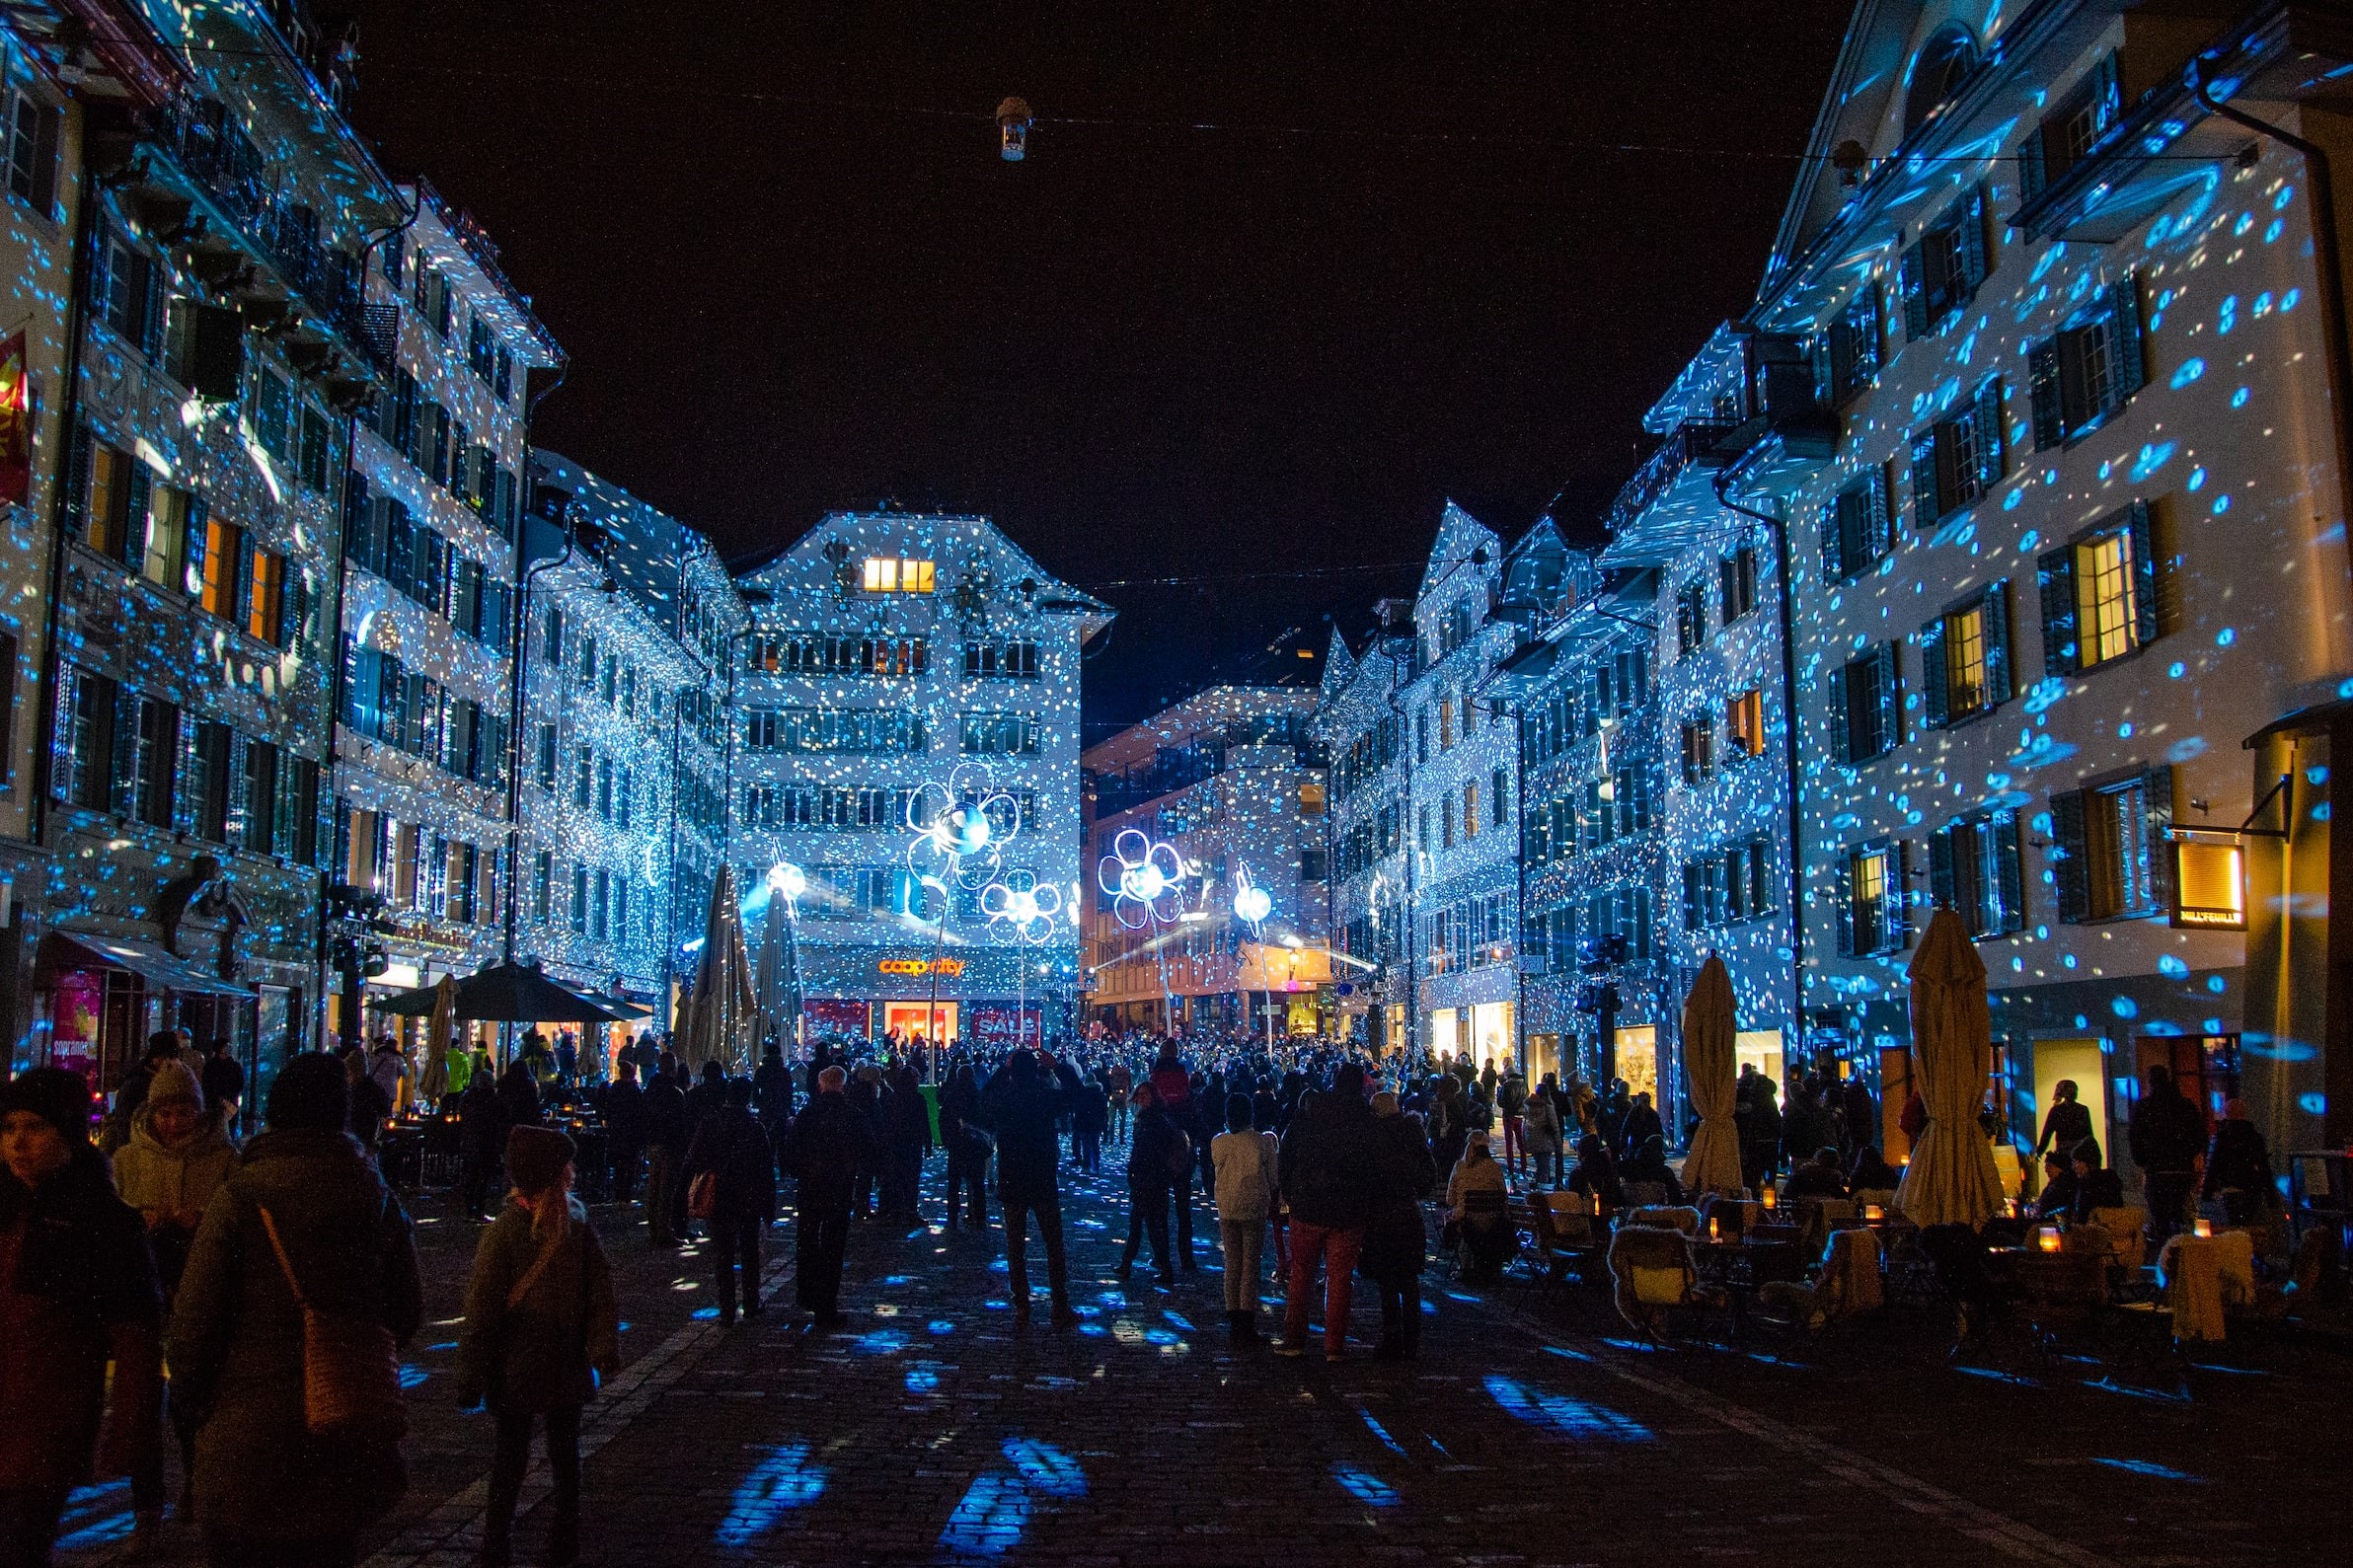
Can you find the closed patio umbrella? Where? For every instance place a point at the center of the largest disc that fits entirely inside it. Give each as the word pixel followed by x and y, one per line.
pixel 433 1082
pixel 719 1018
pixel 778 986
pixel 1951 1178
pixel 1710 1060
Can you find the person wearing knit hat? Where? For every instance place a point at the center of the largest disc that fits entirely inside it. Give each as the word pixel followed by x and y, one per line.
pixel 542 1327
pixel 81 1293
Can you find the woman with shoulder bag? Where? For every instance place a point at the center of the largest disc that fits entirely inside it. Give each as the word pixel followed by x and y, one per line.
pixel 542 1331
pixel 300 1288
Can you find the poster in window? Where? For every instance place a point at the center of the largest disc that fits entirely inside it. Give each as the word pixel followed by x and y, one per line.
pixel 16 421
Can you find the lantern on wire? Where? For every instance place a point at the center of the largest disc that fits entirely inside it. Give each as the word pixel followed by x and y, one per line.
pixel 1012 128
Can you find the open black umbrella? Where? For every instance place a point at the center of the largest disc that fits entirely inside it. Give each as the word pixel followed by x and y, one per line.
pixel 506 993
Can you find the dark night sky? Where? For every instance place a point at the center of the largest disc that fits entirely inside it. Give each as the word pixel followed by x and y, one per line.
pixel 1414 263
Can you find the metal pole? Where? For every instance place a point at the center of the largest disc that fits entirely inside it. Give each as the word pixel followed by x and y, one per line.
pixel 931 1021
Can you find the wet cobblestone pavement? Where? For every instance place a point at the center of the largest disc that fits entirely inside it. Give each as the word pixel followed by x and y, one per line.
pixel 1531 1431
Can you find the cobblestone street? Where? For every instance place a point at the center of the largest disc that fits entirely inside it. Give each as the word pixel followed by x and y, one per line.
pixel 1531 1431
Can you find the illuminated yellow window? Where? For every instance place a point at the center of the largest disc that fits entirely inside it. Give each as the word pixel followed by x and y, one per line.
pixel 166 535
pixel 1744 717
pixel 216 589
pixel 1470 810
pixel 262 595
pixel 1965 662
pixel 2105 610
pixel 897 575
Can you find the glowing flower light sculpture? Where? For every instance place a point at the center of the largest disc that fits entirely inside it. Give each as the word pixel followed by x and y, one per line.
pixel 1022 902
pixel 1145 879
pixel 960 828
pixel 1252 903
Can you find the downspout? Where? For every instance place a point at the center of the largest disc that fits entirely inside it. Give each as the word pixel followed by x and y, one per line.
pixel 2328 283
pixel 1406 831
pixel 1784 601
pixel 515 677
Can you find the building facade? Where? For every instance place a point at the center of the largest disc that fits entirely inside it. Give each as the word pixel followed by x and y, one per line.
pixel 1366 737
pixel 433 513
pixel 1233 781
pixel 907 735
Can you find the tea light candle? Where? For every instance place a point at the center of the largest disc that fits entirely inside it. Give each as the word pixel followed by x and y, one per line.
pixel 1712 1230
pixel 2048 1238
pixel 2202 1227
pixel 1872 1211
pixel 1768 1197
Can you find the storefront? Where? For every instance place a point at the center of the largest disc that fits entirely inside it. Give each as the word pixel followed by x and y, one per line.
pixel 100 997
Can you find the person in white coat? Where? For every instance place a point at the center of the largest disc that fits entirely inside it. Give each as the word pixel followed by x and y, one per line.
pixel 1242 1159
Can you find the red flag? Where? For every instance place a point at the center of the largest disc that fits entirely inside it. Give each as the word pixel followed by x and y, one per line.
pixel 16 421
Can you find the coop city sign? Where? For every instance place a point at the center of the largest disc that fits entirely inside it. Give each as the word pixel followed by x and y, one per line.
pixel 950 967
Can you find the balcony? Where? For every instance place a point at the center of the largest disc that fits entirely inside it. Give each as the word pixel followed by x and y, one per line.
pixel 1671 498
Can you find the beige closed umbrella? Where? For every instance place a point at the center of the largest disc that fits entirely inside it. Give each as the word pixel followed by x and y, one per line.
pixel 440 1032
pixel 719 1018
pixel 1712 1066
pixel 1951 1180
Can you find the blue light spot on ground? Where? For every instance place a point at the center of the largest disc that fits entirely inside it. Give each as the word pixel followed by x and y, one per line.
pixel 2313 1103
pixel 1564 1351
pixel 989 1518
pixel 1429 1308
pixel 783 1481
pixel 1047 1468
pixel 1093 1328
pixel 448 1344
pixel 2289 299
pixel 881 1342
pixel 625 1326
pixel 1366 1487
pixel 84 1523
pixel 705 1311
pixel 2172 967
pixel 942 1326
pixel 413 1376
pixel 1381 1432
pixel 1457 1295
pixel 899 1278
pixel 1177 1318
pixel 2228 634
pixel 2175 670
pixel 1572 1418
pixel 922 1378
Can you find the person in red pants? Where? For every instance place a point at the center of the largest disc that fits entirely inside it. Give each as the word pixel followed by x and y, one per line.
pixel 1327 1168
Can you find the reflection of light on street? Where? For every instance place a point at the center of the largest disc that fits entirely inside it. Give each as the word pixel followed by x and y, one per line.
pixel 989 1518
pixel 1047 1468
pixel 779 1483
pixel 1572 1418
pixel 1365 1486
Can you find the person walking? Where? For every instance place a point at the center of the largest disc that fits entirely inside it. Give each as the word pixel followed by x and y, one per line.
pixel 624 1106
pixel 1158 1151
pixel 664 1126
pixel 541 1329
pixel 482 1133
pixel 177 1156
pixel 77 1290
pixel 1023 1106
pixel 1243 1159
pixel 1511 1106
pixel 1540 1132
pixel 1119 1087
pixel 1326 1177
pixel 826 1146
pixel 907 1136
pixel 732 1150
pixel 223 1084
pixel 969 1148
pixel 772 1090
pixel 303 1218
pixel 2167 1140
pixel 2066 1123
pixel 1395 1241
pixel 1087 1118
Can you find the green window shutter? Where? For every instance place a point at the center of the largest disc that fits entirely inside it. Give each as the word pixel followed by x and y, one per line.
pixel 193 541
pixel 1997 644
pixel 2031 165
pixel 1940 878
pixel 2123 328
pixel 1842 897
pixel 1972 240
pixel 2143 540
pixel 238 829
pixel 1889 690
pixel 192 774
pixel 2008 874
pixel 1933 674
pixel 1986 416
pixel 1834 533
pixel 2159 825
pixel 125 756
pixel 61 731
pixel 139 498
pixel 1914 287
pixel 2043 392
pixel 1927 493
pixel 77 479
pixel 2055 575
pixel 1842 740
pixel 1878 536
pixel 2069 867
pixel 1899 912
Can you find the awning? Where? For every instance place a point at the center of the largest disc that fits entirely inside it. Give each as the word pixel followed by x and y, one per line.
pixel 74 950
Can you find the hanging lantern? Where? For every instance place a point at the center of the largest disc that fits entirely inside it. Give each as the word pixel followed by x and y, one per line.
pixel 1012 128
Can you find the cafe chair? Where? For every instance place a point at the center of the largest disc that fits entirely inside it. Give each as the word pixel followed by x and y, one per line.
pixel 1984 1308
pixel 1654 1280
pixel 1568 1229
pixel 1646 1194
pixel 1847 1285
pixel 1487 1239
pixel 1673 1216
pixel 2128 1234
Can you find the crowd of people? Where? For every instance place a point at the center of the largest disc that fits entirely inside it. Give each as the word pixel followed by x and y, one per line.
pixel 276 1275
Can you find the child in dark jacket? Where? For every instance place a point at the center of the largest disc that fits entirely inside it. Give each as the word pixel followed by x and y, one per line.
pixel 541 1332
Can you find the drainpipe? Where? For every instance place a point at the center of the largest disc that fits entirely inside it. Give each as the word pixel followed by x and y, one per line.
pixel 2328 281
pixel 515 727
pixel 1787 616
pixel 1406 831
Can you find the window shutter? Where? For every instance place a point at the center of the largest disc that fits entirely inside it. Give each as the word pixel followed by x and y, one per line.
pixel 1892 696
pixel 1842 741
pixel 2055 574
pixel 237 829
pixel 1988 418
pixel 1912 287
pixel 194 541
pixel 1972 239
pixel 2009 879
pixel 2159 825
pixel 139 498
pixel 2031 167
pixel 2043 391
pixel 1820 356
pixel 188 800
pixel 61 731
pixel 152 315
pixel 125 756
pixel 1878 535
pixel 287 834
pixel 2143 568
pixel 1932 674
pixel 1842 897
pixel 1997 644
pixel 2067 856
pixel 1926 500
pixel 2124 340
pixel 77 481
pixel 1940 879
pixel 1898 905
pixel 1834 528
pixel 356 520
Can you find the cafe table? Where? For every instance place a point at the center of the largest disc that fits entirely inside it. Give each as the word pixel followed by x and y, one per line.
pixel 2203 1275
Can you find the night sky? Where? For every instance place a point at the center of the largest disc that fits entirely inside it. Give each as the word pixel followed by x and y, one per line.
pixel 1418 252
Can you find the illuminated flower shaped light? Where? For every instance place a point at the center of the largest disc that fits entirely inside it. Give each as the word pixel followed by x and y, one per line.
pixel 1145 880
pixel 1020 900
pixel 1252 903
pixel 961 830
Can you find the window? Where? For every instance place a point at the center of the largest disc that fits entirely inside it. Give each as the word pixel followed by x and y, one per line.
pixel 265 594
pixel 543 878
pixel 86 779
pixel 896 574
pixel 1690 617
pixel 1000 661
pixel 847 731
pixel 1871 913
pixel 259 833
pixel 1625 913
pixel 1865 714
pixel 30 130
pixel 2099 593
pixel 1498 801
pixel 1974 870
pixel 1938 71
pixel 125 291
pixel 999 735
pixel 805 654
pixel 153 763
pixel 1446 723
pixel 115 517
pixel 2089 369
pixel 1744 724
pixel 1748 879
pixel 315 449
pixel 209 782
pixel 1698 751
pixel 547 757
pixel 213 559
pixel 481 351
pixel 1957 459
pixel 1939 274
pixel 273 407
pixel 583 779
pixel 2108 847
pixel 1738 586
pixel 2072 127
pixel 1445 823
pixel 1856 533
pixel 579 900
pixel 1421 830
pixel 1964 659
pixel 554 642
pixel 1847 358
pixel 1471 809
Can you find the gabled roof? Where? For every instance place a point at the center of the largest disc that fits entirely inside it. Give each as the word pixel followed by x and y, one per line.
pixel 1340 665
pixel 1461 537
pixel 971 551
pixel 1873 64
pixel 644 548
